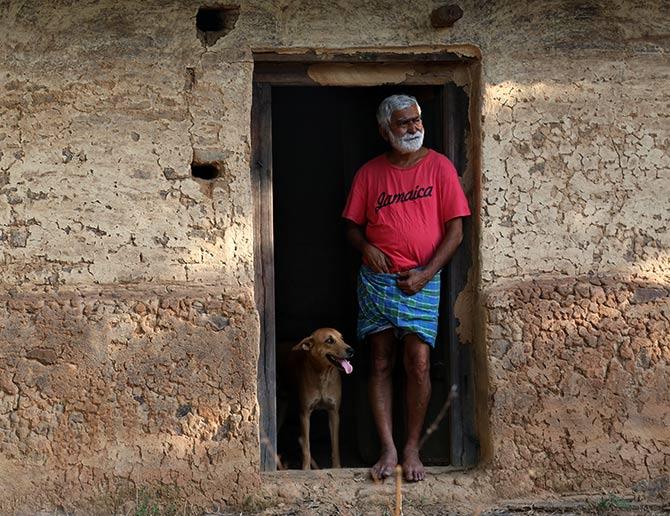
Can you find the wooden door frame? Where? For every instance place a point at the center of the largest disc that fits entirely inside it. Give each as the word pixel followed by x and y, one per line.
pixel 332 68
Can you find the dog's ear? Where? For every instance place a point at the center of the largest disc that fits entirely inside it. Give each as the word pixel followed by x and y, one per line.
pixel 305 344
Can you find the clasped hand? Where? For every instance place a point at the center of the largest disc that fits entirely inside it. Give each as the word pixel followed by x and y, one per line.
pixel 410 282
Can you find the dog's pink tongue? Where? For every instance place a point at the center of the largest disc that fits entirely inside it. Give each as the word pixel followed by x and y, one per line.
pixel 347 366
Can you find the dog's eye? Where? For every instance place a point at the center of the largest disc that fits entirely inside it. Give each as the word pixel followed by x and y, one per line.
pixel 330 340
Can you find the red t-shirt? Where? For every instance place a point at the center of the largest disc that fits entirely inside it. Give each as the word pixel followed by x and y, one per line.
pixel 404 209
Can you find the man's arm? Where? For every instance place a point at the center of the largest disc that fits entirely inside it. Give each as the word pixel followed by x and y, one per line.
pixel 374 257
pixel 410 282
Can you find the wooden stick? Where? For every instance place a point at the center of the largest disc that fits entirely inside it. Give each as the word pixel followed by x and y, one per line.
pixel 398 491
pixel 440 416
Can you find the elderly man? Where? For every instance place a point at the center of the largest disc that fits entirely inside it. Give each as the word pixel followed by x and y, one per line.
pixel 404 216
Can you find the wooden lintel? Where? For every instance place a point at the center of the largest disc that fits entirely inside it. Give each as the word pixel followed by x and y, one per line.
pixel 347 74
pixel 463 54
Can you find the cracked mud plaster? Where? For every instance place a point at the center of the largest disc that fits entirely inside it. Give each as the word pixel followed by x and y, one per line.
pixel 579 370
pixel 102 210
pixel 575 172
pixel 102 168
pixel 99 389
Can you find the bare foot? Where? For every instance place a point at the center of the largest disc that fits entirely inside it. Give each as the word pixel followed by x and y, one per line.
pixel 412 465
pixel 385 465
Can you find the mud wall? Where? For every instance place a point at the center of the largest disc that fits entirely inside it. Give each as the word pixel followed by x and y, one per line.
pixel 579 381
pixel 128 330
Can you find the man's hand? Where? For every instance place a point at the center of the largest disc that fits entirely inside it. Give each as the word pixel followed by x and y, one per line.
pixel 413 280
pixel 376 259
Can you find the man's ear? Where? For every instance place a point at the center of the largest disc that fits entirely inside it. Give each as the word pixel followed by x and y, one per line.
pixel 305 344
pixel 383 133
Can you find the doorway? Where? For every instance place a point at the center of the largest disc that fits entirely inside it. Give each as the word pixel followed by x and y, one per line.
pixel 309 141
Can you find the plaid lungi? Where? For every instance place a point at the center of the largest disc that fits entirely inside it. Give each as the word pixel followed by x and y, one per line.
pixel 382 305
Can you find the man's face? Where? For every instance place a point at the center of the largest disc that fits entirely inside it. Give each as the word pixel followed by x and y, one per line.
pixel 405 133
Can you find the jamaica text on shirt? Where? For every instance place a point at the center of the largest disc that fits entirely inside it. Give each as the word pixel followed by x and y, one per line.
pixel 387 199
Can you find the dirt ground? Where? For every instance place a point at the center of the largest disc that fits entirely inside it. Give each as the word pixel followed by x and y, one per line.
pixel 603 505
pixel 351 493
pixel 445 491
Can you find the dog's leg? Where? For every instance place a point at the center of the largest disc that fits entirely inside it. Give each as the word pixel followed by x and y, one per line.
pixel 304 439
pixel 334 424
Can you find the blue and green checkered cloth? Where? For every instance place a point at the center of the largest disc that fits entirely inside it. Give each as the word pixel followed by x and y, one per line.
pixel 382 305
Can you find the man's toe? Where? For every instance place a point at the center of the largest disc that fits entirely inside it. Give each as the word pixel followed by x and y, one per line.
pixel 380 472
pixel 414 474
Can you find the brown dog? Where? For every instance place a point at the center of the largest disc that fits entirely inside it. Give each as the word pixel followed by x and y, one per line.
pixel 317 361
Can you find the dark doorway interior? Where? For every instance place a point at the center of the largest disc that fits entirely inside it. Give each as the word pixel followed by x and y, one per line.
pixel 320 137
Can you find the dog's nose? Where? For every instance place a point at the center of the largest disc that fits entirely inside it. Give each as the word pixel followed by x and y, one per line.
pixel 350 352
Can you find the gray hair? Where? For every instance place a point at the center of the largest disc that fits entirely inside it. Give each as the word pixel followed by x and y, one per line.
pixel 391 104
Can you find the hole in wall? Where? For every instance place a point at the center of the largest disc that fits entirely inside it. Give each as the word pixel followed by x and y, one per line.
pixel 190 79
pixel 215 22
pixel 207 171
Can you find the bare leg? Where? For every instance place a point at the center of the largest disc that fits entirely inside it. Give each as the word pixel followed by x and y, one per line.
pixel 334 425
pixel 304 439
pixel 381 400
pixel 417 368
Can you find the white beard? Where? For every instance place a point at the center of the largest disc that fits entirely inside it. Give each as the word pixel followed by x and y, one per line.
pixel 407 143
